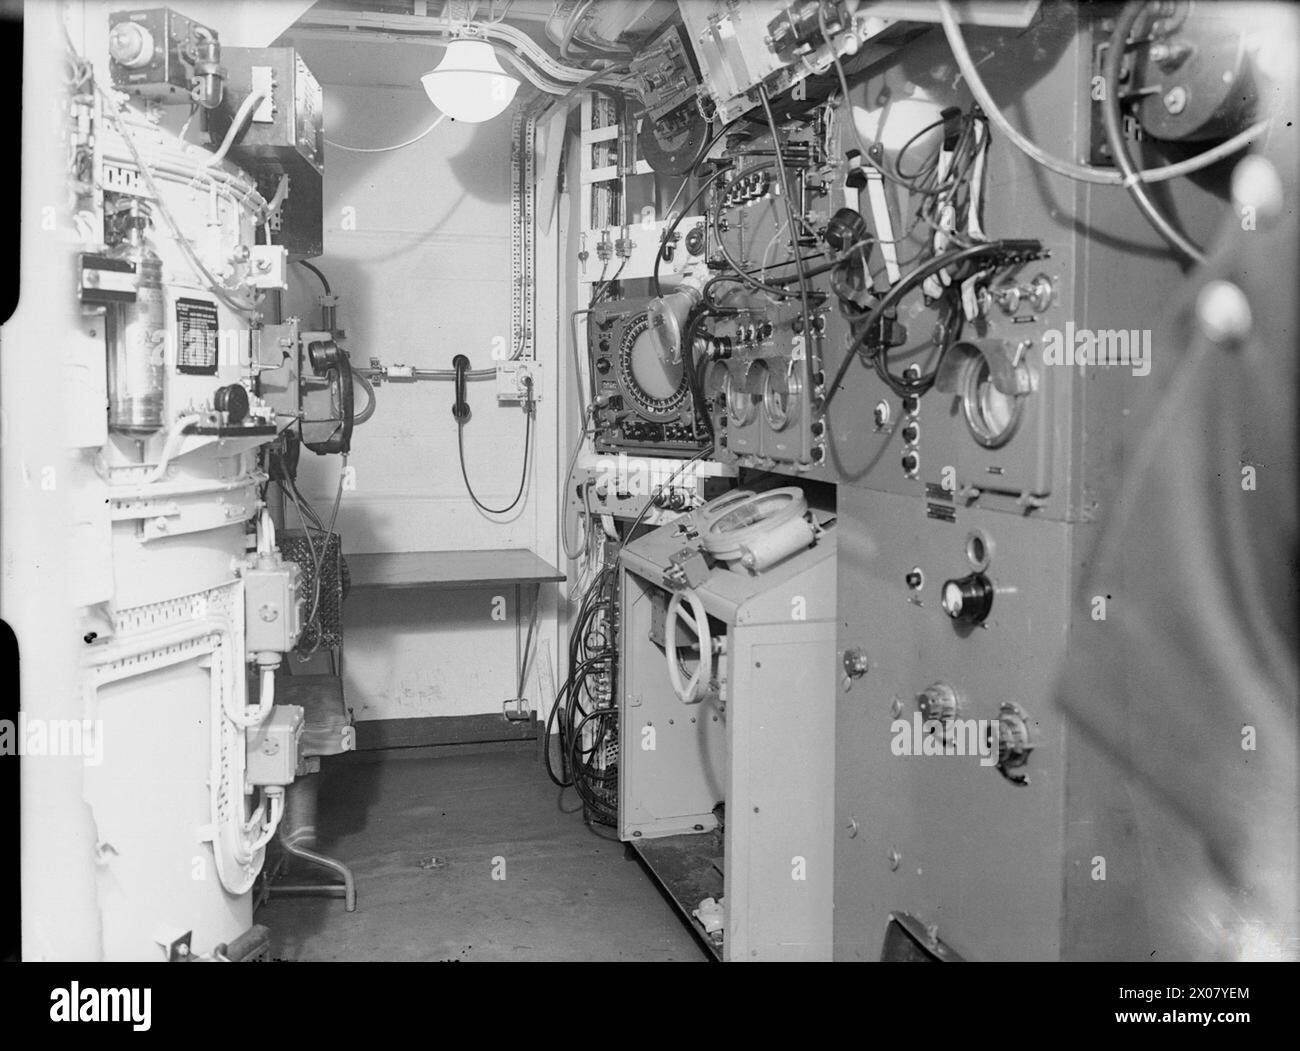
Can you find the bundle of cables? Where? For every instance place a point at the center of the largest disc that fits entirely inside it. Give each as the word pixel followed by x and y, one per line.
pixel 948 183
pixel 584 717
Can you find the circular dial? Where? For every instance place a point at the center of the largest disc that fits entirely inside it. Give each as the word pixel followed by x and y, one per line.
pixel 969 599
pixel 716 378
pixel 653 384
pixel 991 415
pixel 740 404
pixel 130 45
pixel 781 397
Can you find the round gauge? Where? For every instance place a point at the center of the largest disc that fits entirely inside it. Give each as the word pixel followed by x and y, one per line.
pixel 716 376
pixel 781 397
pixel 131 45
pixel 741 402
pixel 991 415
pixel 741 405
pixel 717 385
pixel 651 382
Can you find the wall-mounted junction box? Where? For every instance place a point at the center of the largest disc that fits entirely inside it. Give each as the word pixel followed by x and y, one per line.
pixel 273 747
pixel 512 381
pixel 273 610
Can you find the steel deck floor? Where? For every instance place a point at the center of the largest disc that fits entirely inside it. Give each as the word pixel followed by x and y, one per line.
pixel 567 894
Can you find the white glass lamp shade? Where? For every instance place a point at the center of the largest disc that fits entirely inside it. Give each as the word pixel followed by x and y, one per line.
pixel 469 84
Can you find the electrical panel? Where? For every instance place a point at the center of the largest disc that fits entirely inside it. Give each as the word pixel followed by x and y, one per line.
pixel 966 513
pixel 161 55
pixel 666 73
pixel 890 302
pixel 639 384
pixel 284 136
pixel 638 251
pixel 768 42
pixel 652 490
pixel 673 131
pixel 785 399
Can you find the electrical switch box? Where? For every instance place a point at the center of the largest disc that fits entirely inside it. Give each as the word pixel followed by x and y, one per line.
pixel 153 53
pixel 514 379
pixel 270 266
pixel 283 137
pixel 272 608
pixel 272 757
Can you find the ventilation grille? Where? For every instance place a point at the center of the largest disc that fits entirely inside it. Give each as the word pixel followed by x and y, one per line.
pixel 325 629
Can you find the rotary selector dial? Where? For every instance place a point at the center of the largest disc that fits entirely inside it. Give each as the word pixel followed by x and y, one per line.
pixel 938 702
pixel 968 599
pixel 1015 742
pixel 655 385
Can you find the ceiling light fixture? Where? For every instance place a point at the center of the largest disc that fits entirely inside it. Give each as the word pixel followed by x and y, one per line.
pixel 469 84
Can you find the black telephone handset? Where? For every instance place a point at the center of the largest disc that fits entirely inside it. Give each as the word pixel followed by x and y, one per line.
pixel 346 402
pixel 460 407
pixel 330 361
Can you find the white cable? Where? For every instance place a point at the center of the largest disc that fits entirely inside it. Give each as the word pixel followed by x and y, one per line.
pixel 182 166
pixel 265 533
pixel 569 552
pixel 387 149
pixel 507 40
pixel 530 74
pixel 236 126
pixel 174 437
pixel 276 795
pixel 135 645
pixel 273 205
pixel 181 174
pixel 1083 173
pixel 266 701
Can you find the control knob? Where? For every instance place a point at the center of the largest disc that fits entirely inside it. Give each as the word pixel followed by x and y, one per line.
pixel 969 599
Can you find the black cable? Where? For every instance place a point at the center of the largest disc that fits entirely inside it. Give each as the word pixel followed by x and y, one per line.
pixel 736 279
pixel 738 272
pixel 671 229
pixel 928 166
pixel 323 279
pixel 903 386
pixel 693 380
pixel 561 719
pixel 523 474
pixel 593 785
pixel 896 292
pixel 702 454
pixel 954 177
pixel 605 286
